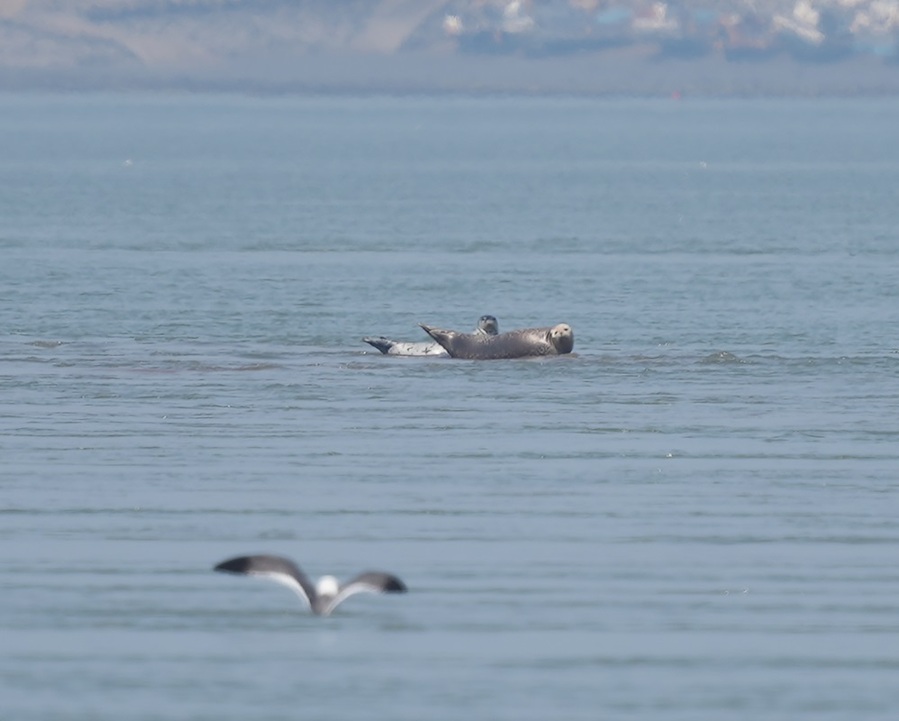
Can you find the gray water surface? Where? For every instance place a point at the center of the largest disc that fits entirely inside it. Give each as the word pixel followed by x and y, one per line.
pixel 695 516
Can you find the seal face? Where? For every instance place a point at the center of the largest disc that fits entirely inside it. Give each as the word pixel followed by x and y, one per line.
pixel 487 325
pixel 557 340
pixel 562 338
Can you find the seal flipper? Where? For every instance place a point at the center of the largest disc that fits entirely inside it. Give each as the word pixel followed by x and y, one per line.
pixel 443 337
pixel 380 342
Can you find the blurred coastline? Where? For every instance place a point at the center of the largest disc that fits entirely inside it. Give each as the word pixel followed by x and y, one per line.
pixel 580 47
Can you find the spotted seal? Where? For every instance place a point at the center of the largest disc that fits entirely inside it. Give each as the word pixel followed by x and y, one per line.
pixel 521 343
pixel 487 326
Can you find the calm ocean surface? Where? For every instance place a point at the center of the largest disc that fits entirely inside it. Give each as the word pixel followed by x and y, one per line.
pixel 694 517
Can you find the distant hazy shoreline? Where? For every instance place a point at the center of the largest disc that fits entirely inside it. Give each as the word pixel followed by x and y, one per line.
pixel 624 72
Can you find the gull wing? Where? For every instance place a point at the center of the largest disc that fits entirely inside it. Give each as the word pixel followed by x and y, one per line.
pixel 275 568
pixel 368 582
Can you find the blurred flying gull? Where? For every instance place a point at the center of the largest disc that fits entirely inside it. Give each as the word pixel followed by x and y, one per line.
pixel 322 597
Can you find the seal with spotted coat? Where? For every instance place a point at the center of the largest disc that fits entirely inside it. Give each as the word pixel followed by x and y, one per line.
pixel 487 325
pixel 522 343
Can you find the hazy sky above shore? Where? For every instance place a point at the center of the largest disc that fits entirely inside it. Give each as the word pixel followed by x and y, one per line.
pixel 393 45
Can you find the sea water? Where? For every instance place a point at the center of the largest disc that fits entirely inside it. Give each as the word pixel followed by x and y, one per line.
pixel 694 516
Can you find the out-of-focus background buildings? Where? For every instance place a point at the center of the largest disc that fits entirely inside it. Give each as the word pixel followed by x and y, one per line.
pixel 592 46
pixel 811 30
